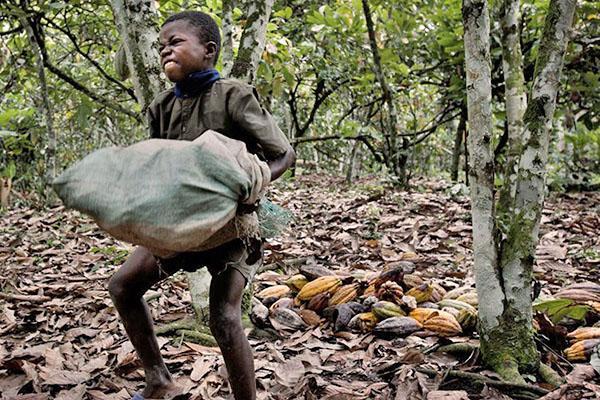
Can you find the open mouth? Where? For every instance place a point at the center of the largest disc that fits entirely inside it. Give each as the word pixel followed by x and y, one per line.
pixel 168 64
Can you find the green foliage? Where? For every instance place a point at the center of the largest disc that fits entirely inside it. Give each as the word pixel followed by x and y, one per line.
pixel 316 76
pixel 559 309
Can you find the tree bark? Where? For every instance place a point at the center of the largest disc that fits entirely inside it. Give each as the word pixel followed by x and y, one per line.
pixel 458 139
pixel 252 43
pixel 46 105
pixel 227 42
pixel 137 22
pixel 515 96
pixel 397 156
pixel 504 244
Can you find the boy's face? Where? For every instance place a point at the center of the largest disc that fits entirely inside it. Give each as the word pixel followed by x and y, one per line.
pixel 182 52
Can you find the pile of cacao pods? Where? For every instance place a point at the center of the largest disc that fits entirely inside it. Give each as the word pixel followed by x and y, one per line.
pixel 390 304
pixel 583 340
pixel 393 303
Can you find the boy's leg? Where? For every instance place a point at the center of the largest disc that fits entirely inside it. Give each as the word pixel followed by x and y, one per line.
pixel 127 287
pixel 226 292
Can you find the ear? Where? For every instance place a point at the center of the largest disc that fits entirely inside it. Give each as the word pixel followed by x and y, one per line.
pixel 211 50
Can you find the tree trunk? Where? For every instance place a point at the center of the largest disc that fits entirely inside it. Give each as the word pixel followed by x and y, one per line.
pixel 227 42
pixel 397 156
pixel 514 89
pixel 137 22
pixel 46 106
pixel 458 139
pixel 504 245
pixel 252 43
pixel 351 169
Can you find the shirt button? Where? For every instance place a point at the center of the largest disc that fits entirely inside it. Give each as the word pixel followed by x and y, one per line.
pixel 183 129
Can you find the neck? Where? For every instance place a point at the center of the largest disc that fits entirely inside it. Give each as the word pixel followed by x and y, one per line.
pixel 196 83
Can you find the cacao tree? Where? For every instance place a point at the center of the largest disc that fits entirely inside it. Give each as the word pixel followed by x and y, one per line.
pixel 505 233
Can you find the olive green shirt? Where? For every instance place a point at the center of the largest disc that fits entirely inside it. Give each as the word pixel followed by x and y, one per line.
pixel 229 107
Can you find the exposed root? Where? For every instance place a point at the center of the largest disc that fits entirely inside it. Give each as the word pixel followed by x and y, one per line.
pixel 550 376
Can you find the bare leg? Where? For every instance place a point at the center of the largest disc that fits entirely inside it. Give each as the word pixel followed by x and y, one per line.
pixel 127 287
pixel 226 291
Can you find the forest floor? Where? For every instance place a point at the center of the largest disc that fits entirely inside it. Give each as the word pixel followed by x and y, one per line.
pixel 60 337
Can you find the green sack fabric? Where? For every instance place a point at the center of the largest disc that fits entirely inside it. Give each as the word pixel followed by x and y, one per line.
pixel 170 196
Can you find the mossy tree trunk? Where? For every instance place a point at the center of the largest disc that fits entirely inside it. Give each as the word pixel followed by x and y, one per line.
pixel 227 42
pixel 137 22
pixel 505 235
pixel 252 42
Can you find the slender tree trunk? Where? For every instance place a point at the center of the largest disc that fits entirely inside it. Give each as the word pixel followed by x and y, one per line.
pixel 353 164
pixel 252 43
pixel 137 22
pixel 458 139
pixel 515 96
pixel 397 156
pixel 227 42
pixel 46 105
pixel 504 245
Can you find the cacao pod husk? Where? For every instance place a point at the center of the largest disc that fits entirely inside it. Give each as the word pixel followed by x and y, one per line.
pixel 390 291
pixel 581 350
pixel 457 304
pixel 319 302
pixel 259 314
pixel 469 298
pixel 284 302
pixel 341 316
pixel 320 285
pixel 459 291
pixel 443 325
pixel 412 280
pixel 421 293
pixel 386 309
pixel 397 326
pixel 296 282
pixel 344 294
pixel 437 293
pixel 310 317
pixel 584 333
pixel 363 322
pixel 286 318
pixel 314 271
pixel 277 291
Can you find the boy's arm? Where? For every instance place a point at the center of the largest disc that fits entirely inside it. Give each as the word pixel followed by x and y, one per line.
pixel 280 164
pixel 246 111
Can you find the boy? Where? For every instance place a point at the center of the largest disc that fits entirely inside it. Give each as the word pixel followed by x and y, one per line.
pixel 200 100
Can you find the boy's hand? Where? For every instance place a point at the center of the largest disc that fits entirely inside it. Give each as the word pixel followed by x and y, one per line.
pixel 246 208
pixel 280 164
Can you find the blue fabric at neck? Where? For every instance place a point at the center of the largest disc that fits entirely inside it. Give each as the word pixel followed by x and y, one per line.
pixel 195 83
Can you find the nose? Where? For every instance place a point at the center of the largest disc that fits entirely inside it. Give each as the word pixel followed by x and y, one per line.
pixel 165 51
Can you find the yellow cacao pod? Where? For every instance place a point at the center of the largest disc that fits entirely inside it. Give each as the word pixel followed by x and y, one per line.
pixel 421 293
pixel 437 293
pixel 584 333
pixel 296 282
pixel 469 298
pixel 423 314
pixel 467 319
pixel 363 322
pixel 582 350
pixel 276 291
pixel 443 325
pixel 457 304
pixel 344 294
pixel 320 285
pixel 456 293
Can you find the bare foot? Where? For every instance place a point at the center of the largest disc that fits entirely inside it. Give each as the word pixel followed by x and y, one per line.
pixel 165 391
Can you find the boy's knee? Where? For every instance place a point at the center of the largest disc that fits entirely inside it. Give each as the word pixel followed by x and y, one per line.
pixel 225 325
pixel 117 288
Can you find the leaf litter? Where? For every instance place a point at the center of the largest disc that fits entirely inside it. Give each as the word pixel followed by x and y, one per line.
pixel 60 337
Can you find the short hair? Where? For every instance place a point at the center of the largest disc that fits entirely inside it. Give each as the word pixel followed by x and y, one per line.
pixel 208 30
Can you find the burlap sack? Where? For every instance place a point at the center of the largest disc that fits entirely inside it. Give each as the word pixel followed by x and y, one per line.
pixel 169 196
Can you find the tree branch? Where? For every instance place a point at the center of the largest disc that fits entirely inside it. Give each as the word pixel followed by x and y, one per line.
pixel 68 33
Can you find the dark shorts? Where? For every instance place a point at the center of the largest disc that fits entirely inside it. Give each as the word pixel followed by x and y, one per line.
pixel 243 255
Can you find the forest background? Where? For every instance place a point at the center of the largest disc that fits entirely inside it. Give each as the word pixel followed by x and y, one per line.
pixel 318 77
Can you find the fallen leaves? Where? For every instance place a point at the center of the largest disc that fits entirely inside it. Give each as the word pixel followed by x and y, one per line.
pixel 60 337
